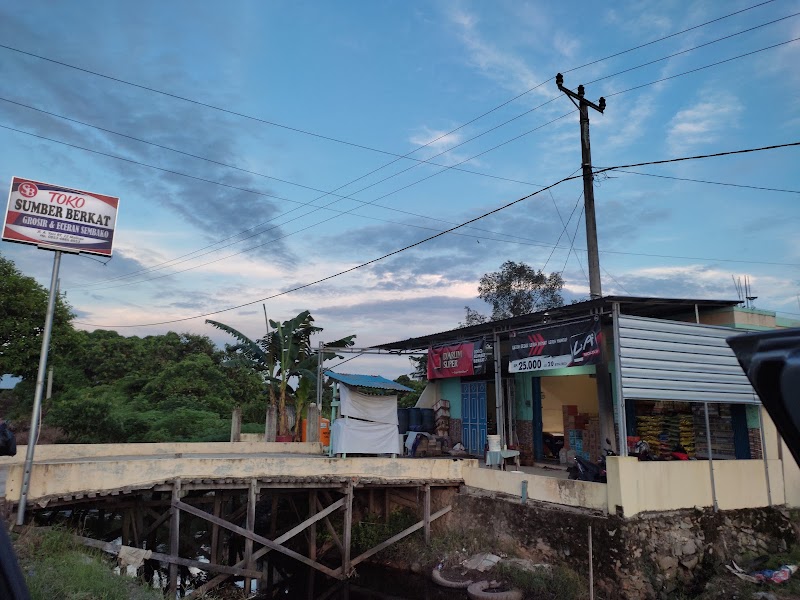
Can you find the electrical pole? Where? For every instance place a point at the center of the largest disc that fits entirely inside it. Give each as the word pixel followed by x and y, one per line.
pixel 583 105
pixel 605 398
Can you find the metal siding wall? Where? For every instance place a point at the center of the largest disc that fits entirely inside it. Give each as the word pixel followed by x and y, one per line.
pixel 671 360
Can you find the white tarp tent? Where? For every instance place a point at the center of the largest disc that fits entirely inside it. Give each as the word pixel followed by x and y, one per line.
pixel 368 423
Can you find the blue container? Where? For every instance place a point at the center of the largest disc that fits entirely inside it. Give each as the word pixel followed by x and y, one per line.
pixel 428 420
pixel 402 420
pixel 414 419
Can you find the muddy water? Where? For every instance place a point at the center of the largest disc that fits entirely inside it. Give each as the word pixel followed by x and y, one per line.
pixel 372 582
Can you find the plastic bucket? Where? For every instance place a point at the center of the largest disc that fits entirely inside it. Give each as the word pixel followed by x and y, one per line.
pixel 494 443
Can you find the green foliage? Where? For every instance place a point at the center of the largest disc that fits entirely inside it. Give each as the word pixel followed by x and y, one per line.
pixel 518 289
pixel 472 317
pixel 283 355
pixel 95 415
pixel 554 583
pixel 23 308
pixel 409 399
pixel 55 567
pixel 371 531
pixel 182 425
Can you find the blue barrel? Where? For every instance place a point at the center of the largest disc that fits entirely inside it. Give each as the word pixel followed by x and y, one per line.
pixel 402 420
pixel 428 420
pixel 414 419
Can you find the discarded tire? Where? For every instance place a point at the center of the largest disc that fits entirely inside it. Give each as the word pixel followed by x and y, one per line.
pixel 478 591
pixel 439 579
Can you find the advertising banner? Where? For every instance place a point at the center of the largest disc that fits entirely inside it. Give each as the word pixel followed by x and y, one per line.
pixel 568 345
pixel 60 218
pixel 457 360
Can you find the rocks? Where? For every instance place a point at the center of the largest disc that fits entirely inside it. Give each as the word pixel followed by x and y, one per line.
pixel 641 558
pixel 667 563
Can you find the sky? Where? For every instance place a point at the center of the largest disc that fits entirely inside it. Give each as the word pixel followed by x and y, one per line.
pixel 258 147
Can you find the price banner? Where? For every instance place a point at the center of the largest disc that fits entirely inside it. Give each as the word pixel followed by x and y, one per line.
pixel 568 345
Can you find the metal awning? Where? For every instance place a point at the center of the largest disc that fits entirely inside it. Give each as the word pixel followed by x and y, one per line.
pixel 684 362
pixel 367 381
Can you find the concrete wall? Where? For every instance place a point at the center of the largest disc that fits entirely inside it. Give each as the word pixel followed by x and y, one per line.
pixel 635 487
pixel 96 475
pixel 450 389
pixel 543 489
pixel 791 478
pixel 71 451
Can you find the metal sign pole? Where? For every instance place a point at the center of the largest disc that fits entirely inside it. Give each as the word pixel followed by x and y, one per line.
pixel 37 399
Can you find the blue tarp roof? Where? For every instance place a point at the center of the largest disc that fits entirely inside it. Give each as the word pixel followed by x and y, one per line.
pixel 368 381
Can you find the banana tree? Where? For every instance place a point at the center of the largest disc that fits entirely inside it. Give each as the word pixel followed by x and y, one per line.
pixel 283 356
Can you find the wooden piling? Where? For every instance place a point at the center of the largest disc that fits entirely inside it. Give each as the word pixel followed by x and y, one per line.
pixel 174 538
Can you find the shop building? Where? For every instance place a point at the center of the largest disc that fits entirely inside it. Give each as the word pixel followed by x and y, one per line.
pixel 619 368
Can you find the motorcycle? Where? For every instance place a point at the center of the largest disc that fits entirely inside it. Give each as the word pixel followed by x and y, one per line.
pixel 586 470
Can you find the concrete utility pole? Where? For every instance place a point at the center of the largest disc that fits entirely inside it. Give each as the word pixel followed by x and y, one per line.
pixel 604 394
pixel 583 105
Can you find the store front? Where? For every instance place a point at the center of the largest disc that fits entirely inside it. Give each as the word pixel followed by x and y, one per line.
pixel 557 383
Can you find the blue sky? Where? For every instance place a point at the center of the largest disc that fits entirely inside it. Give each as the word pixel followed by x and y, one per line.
pixel 393 76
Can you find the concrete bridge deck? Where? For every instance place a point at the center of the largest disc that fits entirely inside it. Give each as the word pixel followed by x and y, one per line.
pixel 64 473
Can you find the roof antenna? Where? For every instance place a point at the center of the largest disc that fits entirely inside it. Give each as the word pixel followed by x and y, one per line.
pixel 749 292
pixel 737 283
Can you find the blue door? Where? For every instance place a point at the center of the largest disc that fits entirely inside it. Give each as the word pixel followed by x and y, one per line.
pixel 473 416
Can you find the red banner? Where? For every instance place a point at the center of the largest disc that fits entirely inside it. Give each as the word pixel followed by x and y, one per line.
pixel 456 360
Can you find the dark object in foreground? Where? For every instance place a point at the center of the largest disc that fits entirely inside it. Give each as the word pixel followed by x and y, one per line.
pixel 771 361
pixel 8 441
pixel 12 583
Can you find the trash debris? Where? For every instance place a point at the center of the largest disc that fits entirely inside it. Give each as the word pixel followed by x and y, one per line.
pixel 481 562
pixel 780 575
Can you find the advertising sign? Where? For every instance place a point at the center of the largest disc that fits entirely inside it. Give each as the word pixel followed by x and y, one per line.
pixel 60 218
pixel 457 360
pixel 568 345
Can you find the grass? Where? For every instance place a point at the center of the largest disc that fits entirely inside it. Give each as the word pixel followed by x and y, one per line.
pixel 555 583
pixel 57 568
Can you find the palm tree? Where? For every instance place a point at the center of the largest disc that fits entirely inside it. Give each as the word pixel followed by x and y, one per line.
pixel 283 355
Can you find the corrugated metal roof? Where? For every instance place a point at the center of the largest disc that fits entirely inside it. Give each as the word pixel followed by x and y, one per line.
pixel 368 381
pixel 662 308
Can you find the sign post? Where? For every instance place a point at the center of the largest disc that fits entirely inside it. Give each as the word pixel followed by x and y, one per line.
pixel 33 433
pixel 61 220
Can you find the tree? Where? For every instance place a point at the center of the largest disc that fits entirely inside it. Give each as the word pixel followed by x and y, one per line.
pixel 518 289
pixel 409 399
pixel 472 317
pixel 23 308
pixel 283 355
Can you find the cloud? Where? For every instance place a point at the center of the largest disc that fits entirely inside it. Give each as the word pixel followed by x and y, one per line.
pixel 435 142
pixel 703 123
pixel 502 66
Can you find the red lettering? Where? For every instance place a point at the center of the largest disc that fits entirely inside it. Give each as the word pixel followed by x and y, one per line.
pixel 60 198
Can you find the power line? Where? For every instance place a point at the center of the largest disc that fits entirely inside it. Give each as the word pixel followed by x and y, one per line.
pixel 351 269
pixel 459 226
pixel 720 62
pixel 736 185
pixel 698 156
pixel 171 171
pixel 663 58
pixel 337 140
pixel 614 279
pixel 250 248
pixel 250 172
pixel 425 178
pixel 325 193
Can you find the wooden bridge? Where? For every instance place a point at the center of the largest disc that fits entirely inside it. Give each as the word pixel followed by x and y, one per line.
pixel 183 496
